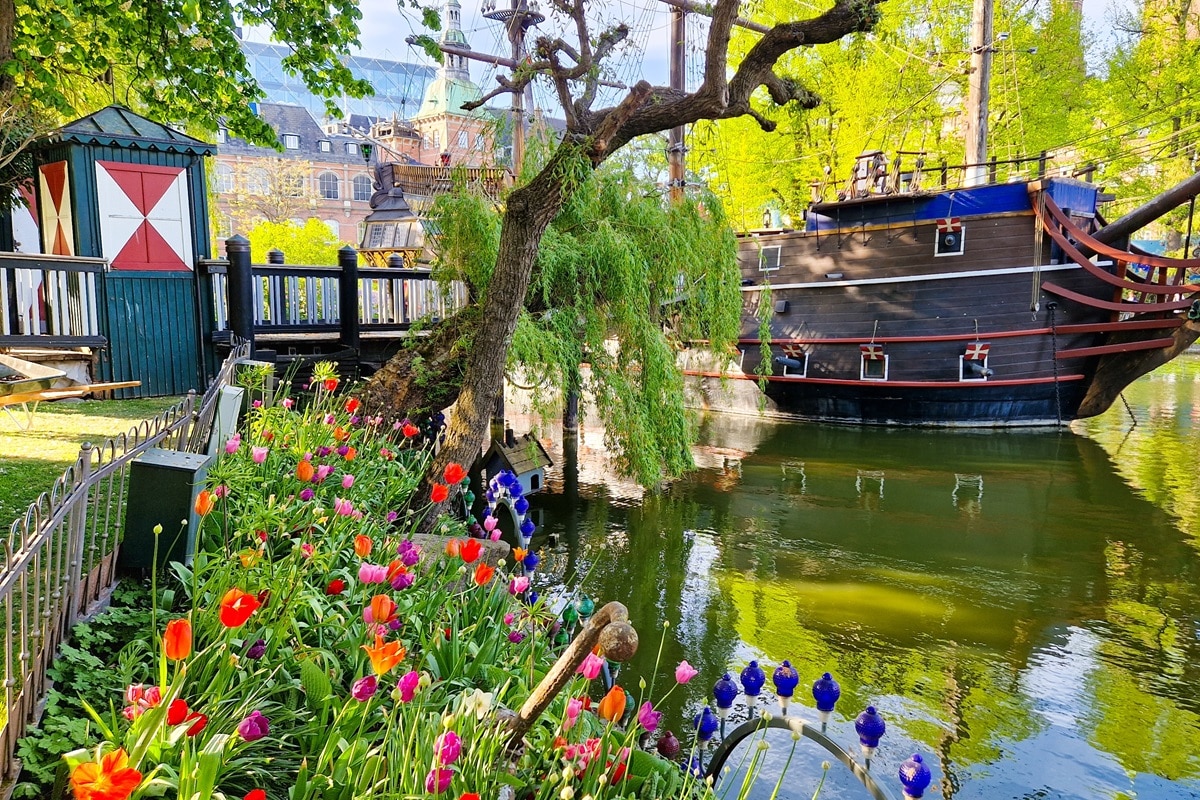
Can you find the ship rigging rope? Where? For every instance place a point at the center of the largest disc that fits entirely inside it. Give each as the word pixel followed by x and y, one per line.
pixel 1038 236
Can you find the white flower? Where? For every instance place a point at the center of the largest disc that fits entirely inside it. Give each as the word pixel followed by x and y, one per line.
pixel 567 793
pixel 478 703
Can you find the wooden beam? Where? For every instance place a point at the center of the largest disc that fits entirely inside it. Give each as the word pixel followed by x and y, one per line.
pixel 1109 349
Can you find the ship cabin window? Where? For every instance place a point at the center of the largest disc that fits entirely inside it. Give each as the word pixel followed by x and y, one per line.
pixel 973 363
pixel 768 259
pixel 794 361
pixel 951 237
pixel 873 362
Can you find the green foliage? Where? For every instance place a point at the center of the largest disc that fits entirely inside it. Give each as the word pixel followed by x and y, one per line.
pixel 91 667
pixel 177 60
pixel 621 281
pixel 901 87
pixel 310 244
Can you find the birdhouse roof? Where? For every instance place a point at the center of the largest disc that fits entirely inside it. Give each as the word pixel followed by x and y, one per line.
pixel 526 454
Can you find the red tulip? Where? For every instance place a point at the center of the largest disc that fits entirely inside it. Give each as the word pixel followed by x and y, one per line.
pixel 440 492
pixel 454 473
pixel 236 608
pixel 470 550
pixel 335 587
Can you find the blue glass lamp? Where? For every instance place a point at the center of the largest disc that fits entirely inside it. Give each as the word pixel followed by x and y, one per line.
pixel 706 724
pixel 785 679
pixel 826 692
pixel 724 692
pixel 915 776
pixel 753 679
pixel 870 728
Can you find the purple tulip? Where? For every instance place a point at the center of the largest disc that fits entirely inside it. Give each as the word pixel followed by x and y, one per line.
pixel 257 650
pixel 306 494
pixel 254 727
pixel 364 688
pixel 438 780
pixel 448 747
pixel 648 718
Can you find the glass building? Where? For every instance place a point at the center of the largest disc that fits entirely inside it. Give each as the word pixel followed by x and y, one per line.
pixel 399 87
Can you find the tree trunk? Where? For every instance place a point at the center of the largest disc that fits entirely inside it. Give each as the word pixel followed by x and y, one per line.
pixel 8 24
pixel 527 215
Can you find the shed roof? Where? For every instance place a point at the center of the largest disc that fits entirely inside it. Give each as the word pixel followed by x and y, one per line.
pixel 118 126
pixel 525 454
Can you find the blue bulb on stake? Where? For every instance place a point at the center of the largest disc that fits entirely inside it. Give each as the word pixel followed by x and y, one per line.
pixel 915 776
pixel 870 728
pixel 753 679
pixel 786 679
pixel 825 691
pixel 706 724
pixel 521 505
pixel 724 692
pixel 527 527
pixel 531 561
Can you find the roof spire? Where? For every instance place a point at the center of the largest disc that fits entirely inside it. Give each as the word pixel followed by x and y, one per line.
pixel 454 66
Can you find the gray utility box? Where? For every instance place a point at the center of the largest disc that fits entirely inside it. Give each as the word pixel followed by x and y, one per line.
pixel 163 486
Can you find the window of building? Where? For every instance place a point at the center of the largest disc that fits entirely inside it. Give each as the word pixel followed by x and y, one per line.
pixel 334 228
pixel 291 185
pixel 291 141
pixel 222 135
pixel 462 140
pixel 224 226
pixel 327 185
pixel 225 179
pixel 258 181
pixel 325 146
pixel 768 259
pixel 362 228
pixel 362 187
pixel 437 138
pixel 479 141
pixel 352 148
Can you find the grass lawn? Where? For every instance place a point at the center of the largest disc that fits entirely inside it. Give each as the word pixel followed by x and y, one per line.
pixel 31 460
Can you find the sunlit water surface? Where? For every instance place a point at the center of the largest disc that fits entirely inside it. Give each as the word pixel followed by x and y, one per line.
pixel 1024 608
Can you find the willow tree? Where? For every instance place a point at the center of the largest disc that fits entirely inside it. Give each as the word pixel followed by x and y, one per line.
pixel 622 279
pixel 592 136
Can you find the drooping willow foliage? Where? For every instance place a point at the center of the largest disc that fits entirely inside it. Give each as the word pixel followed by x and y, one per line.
pixel 623 281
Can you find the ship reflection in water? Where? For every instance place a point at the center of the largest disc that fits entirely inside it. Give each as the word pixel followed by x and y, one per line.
pixel 1023 618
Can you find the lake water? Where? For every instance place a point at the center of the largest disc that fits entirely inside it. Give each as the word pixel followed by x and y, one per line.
pixel 1023 608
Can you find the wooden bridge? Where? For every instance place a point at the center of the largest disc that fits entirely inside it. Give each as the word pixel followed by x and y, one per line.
pixel 355 315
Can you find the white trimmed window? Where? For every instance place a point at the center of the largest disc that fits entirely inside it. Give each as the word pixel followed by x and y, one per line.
pixel 327 185
pixel 362 187
pixel 291 141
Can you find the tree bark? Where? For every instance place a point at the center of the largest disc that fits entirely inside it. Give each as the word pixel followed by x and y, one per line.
pixel 8 24
pixel 528 214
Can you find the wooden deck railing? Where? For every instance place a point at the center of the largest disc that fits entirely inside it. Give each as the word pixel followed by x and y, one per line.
pixel 50 301
pixel 265 301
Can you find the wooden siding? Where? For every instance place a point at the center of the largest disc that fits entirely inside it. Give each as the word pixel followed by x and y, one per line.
pixel 153 330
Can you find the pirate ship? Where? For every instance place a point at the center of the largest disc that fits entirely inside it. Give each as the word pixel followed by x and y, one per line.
pixel 996 304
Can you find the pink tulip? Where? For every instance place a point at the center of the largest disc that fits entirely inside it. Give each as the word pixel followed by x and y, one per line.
pixel 288 403
pixel 347 481
pixel 685 672
pixel 591 665
pixel 408 686
pixel 233 444
pixel 574 706
pixel 438 780
pixel 259 454
pixel 448 747
pixel 648 718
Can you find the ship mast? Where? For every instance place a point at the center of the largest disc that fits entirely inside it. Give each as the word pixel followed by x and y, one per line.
pixel 982 47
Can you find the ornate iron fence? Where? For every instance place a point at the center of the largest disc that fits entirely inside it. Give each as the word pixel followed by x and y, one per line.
pixel 57 561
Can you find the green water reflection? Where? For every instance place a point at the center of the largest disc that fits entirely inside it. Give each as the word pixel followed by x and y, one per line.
pixel 1023 607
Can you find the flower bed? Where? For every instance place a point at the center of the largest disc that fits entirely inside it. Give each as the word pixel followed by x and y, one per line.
pixel 321 652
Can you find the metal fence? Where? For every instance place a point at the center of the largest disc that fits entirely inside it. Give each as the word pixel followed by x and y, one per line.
pixel 59 559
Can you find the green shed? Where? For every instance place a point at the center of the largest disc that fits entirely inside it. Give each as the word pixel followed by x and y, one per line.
pixel 118 186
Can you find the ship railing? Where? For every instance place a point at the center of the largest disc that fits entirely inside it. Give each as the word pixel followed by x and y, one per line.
pixel 909 172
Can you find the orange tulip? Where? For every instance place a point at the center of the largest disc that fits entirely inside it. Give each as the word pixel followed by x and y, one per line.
pixel 453 548
pixel 177 639
pixel 612 707
pixel 236 607
pixel 305 471
pixel 351 453
pixel 111 779
pixel 384 656
pixel 362 545
pixel 383 609
pixel 483 574
pixel 340 434
pixel 205 502
pixel 519 553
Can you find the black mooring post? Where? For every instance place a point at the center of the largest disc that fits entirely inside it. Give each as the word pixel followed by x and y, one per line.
pixel 348 296
pixel 571 413
pixel 240 289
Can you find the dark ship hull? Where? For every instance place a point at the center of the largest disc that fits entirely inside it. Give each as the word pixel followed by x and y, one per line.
pixel 974 307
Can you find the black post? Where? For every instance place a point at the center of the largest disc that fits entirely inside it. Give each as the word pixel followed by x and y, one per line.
pixel 274 256
pixel 571 414
pixel 240 289
pixel 1042 159
pixel 348 296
